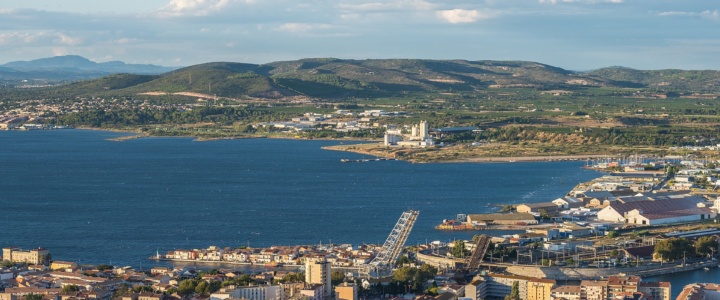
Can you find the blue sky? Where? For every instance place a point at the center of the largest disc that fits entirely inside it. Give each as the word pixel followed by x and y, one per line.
pixel 572 34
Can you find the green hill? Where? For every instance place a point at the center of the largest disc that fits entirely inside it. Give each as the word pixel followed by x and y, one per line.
pixel 671 79
pixel 232 80
pixel 332 78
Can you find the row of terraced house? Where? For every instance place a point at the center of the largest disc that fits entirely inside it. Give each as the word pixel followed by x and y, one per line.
pixel 338 256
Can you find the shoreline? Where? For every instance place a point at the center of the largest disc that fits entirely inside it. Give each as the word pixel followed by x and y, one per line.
pixel 489 159
pixel 223 262
pixel 138 135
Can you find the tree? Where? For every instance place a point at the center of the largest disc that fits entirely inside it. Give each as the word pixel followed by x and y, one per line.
pixel 612 234
pixel 426 273
pixel 32 296
pixel 337 277
pixel 614 253
pixel 293 277
pixel 706 245
pixel 202 288
pixel 544 214
pixel 70 288
pixel 459 249
pixel 404 274
pixel 214 286
pixel 142 288
pixel 403 260
pixel 570 261
pixel 433 289
pixel 514 292
pixel 186 287
pixel 103 267
pixel 673 248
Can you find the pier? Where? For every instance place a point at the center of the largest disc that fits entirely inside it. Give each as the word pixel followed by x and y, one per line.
pixel 366 159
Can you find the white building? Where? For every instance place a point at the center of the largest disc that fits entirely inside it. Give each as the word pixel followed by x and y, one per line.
pixel 319 272
pixel 392 139
pixel 663 211
pixel 263 292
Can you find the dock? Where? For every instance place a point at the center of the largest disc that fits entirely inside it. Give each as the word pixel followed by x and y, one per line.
pixel 366 159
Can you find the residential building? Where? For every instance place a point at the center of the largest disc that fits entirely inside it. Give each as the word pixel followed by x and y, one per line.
pixel 150 296
pixel 8 296
pixel 593 290
pixel 702 291
pixel 318 271
pixel 500 285
pixel 258 292
pixel 37 256
pixel 476 289
pixel 346 291
pixel 657 290
pixel 62 265
pixel 617 285
pixel 567 292
pixel 540 289
pixel 314 292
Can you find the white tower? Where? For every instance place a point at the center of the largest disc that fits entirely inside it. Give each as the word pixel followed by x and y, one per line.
pixel 424 130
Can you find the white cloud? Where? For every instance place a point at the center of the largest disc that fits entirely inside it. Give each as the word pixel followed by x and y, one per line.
pixel 40 38
pixel 302 27
pixel 198 7
pixel 707 14
pixel 60 51
pixel 457 15
pixel 123 41
pixel 580 1
pixel 713 15
pixel 394 5
pixel 68 40
pixel 674 13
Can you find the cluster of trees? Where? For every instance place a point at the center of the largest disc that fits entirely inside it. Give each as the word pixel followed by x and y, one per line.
pixel 410 279
pixel 660 136
pixel 367 133
pixel 678 248
pixel 133 117
pixel 458 250
pixel 514 292
pixel 198 286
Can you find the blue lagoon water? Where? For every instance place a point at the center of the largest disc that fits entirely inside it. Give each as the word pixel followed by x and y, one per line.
pixel 92 200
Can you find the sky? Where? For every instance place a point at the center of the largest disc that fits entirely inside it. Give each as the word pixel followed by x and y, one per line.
pixel 572 34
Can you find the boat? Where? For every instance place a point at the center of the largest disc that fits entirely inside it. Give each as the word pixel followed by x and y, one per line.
pixel 344 160
pixel 706 269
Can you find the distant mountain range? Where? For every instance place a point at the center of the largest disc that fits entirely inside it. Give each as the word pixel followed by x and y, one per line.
pixel 341 78
pixel 72 67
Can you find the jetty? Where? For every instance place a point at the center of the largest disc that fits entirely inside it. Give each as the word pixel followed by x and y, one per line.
pixel 366 159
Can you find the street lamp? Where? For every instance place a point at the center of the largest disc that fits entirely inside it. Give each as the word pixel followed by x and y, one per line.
pixel 683 258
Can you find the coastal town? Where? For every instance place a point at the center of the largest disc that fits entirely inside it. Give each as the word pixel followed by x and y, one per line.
pixel 359 150
pixel 642 219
